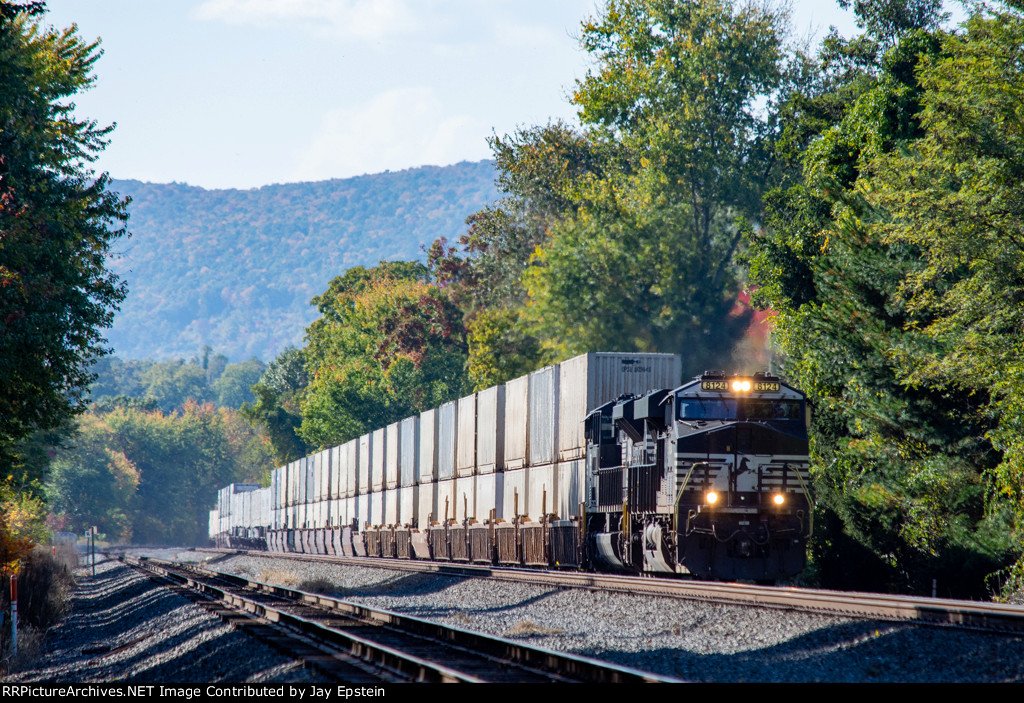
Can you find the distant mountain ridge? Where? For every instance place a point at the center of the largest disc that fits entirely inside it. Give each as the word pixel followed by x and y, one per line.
pixel 236 269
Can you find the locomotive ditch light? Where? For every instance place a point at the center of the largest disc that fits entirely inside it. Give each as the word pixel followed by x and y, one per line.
pixel 778 499
pixel 711 497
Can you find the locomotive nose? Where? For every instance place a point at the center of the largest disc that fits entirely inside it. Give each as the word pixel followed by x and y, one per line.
pixel 744 546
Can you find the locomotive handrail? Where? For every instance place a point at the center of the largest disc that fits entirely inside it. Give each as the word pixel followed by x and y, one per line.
pixel 810 501
pixel 679 494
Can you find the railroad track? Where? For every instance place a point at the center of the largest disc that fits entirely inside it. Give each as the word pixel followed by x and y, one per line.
pixel 358 644
pixel 977 615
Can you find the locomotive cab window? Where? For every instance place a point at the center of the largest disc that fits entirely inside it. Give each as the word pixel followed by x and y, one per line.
pixel 772 409
pixel 706 408
pixel 738 409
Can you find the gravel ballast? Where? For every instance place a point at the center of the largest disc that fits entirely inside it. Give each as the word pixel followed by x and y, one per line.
pixel 124 627
pixel 670 636
pixel 155 635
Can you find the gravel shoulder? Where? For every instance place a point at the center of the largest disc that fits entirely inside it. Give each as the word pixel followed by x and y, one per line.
pixel 148 634
pixel 124 627
pixel 685 639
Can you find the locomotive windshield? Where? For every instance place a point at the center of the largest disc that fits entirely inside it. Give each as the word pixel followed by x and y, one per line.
pixel 706 409
pixel 738 409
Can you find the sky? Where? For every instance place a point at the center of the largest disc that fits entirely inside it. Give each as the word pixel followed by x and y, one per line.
pixel 246 93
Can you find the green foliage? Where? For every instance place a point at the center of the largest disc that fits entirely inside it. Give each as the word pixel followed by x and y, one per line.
pixel 57 223
pixel 388 345
pixel 500 349
pixel 93 484
pixel 169 385
pixel 673 105
pixel 870 263
pixel 150 477
pixel 232 388
pixel 172 383
pixel 887 21
pixel 623 234
pixel 955 195
pixel 275 412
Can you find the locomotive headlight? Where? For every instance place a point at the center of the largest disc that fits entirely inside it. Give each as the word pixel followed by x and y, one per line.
pixel 711 497
pixel 778 499
pixel 741 386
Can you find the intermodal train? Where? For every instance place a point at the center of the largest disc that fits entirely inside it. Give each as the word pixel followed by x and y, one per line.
pixel 601 462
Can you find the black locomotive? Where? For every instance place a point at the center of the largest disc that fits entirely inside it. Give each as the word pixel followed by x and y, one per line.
pixel 709 479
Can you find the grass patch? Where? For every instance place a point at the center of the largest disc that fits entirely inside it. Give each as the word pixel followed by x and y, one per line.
pixel 45 585
pixel 526 628
pixel 317 585
pixel 278 577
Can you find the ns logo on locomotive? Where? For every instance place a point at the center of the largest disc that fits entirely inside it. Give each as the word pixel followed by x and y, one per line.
pixel 578 465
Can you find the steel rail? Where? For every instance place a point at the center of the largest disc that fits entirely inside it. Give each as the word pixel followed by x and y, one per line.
pixel 405 646
pixel 978 615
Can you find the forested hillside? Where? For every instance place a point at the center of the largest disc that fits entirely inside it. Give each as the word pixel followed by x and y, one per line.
pixel 236 269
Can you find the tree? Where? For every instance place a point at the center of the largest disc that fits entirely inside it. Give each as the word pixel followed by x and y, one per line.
pixel 537 168
pixel 57 224
pixel 275 412
pixel 857 260
pixel 388 345
pixel 172 383
pixel 673 106
pixel 624 232
pixel 954 195
pixel 92 484
pixel 232 387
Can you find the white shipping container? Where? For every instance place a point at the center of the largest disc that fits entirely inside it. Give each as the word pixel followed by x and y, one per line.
pixel 426 501
pixel 362 510
pixel 517 415
pixel 571 487
pixel 378 460
pixel 409 456
pixel 591 380
pixel 376 509
pixel 447 438
pixel 408 509
pixel 392 459
pixel 318 476
pixel 351 453
pixel 326 473
pixel 543 419
pixel 275 487
pixel 293 483
pixel 310 479
pixel 445 499
pixel 392 512
pixel 365 462
pixel 267 508
pixel 514 487
pixel 428 446
pixel 490 495
pixel 337 473
pixel 465 498
pixel 465 464
pixel 300 494
pixel 542 491
pixel 490 423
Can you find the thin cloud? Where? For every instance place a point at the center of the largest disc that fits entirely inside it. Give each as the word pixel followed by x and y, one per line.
pixel 396 129
pixel 368 20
